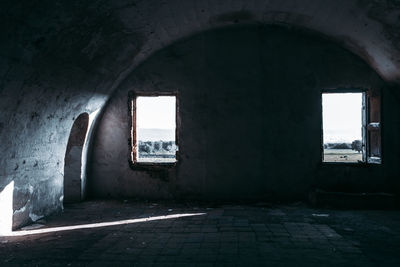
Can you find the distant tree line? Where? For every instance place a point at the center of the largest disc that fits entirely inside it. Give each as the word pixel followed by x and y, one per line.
pixel 157 147
pixel 355 145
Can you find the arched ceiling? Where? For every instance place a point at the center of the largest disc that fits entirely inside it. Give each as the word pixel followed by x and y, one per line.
pixel 370 29
pixel 77 53
pixel 110 38
pixel 59 58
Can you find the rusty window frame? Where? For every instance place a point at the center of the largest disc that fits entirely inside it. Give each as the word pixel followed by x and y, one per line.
pixel 374 126
pixel 132 95
pixel 371 123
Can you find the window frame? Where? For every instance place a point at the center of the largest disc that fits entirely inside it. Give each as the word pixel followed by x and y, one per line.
pixel 366 125
pixel 374 125
pixel 138 165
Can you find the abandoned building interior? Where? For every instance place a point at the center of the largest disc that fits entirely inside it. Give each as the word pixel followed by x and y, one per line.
pixel 200 133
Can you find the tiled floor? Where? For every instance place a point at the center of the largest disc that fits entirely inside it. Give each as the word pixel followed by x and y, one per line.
pixel 171 234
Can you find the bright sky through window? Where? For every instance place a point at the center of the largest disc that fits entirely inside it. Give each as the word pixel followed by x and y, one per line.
pixel 155 112
pixel 342 117
pixel 156 129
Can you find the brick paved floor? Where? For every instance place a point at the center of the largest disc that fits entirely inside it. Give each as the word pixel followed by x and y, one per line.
pixel 219 235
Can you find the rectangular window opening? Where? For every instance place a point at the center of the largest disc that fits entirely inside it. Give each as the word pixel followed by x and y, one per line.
pixel 154 129
pixel 344 131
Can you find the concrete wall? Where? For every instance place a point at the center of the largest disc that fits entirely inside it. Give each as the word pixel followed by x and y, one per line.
pixel 59 59
pixel 250 114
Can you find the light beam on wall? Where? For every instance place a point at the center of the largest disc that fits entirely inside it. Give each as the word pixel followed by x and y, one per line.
pixel 6 209
pixel 85 150
pixel 103 224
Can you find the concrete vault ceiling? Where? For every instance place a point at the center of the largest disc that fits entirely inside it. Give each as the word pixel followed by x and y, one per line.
pixel 61 58
pixel 120 34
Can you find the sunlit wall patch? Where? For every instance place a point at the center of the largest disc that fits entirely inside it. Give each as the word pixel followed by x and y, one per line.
pixel 6 208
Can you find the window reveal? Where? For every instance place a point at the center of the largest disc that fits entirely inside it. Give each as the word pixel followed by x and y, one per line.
pixel 351 126
pixel 154 129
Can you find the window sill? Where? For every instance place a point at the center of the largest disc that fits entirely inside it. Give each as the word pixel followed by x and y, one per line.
pixel 350 164
pixel 151 166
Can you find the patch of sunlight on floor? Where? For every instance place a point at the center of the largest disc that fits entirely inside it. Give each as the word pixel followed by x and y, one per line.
pixel 102 224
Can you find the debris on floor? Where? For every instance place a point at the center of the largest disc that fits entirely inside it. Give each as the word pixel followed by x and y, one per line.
pixel 320 215
pixel 33 226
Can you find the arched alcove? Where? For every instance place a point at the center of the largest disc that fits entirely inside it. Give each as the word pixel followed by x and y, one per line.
pixel 73 159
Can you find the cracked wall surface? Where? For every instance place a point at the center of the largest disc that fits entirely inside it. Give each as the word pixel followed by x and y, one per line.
pixel 59 59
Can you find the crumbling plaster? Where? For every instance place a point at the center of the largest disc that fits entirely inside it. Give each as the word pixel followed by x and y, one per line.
pixel 61 58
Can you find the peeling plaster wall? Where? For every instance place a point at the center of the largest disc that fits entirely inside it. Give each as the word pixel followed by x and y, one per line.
pixel 48 78
pixel 250 114
pixel 61 58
